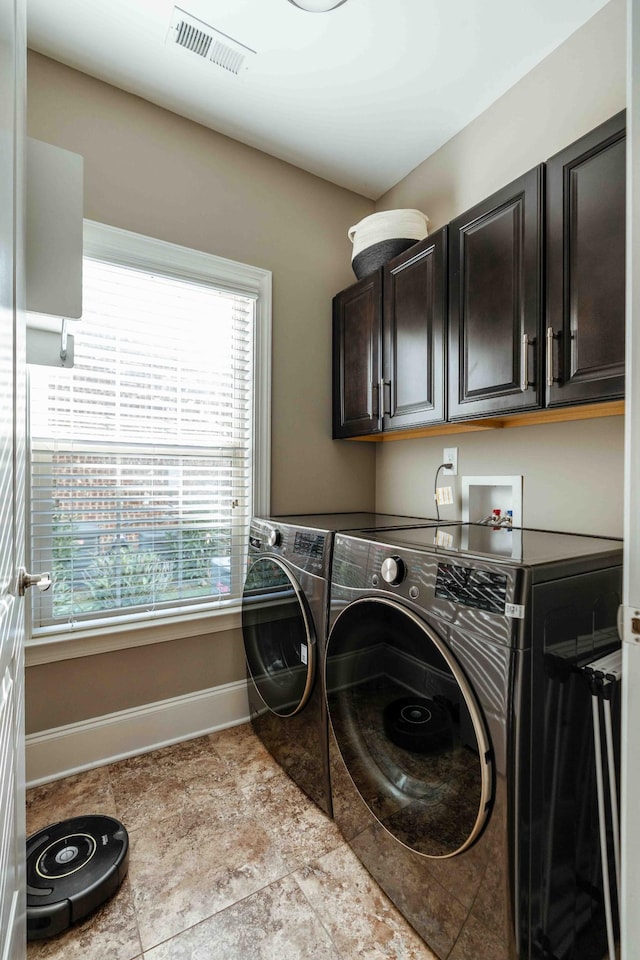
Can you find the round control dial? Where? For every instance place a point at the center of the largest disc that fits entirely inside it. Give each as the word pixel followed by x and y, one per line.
pixel 393 570
pixel 274 538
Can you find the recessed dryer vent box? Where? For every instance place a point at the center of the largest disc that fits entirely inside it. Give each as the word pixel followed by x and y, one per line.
pixel 482 495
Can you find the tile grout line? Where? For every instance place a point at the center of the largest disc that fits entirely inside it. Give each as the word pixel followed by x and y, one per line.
pixel 131 893
pixel 315 912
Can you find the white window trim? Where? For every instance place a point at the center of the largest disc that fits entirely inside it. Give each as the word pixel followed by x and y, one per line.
pixel 133 249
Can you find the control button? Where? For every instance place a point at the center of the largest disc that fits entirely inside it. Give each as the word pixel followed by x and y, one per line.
pixel 393 570
pixel 414 593
pixel 375 580
pixel 66 854
pixel 274 538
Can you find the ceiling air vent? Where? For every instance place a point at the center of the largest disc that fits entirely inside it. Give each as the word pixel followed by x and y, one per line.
pixel 193 39
pixel 205 41
pixel 226 57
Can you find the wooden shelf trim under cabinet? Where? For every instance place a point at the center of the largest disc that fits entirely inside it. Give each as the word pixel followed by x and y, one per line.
pixel 588 411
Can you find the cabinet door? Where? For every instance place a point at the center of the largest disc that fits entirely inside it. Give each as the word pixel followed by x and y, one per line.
pixel 415 291
pixel 357 327
pixel 586 267
pixel 495 256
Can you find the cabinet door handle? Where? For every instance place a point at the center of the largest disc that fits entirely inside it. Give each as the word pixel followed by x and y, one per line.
pixel 550 339
pixel 383 384
pixel 375 399
pixel 524 364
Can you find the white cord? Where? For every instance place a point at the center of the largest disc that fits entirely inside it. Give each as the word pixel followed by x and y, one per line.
pixel 553 804
pixel 613 790
pixel 603 829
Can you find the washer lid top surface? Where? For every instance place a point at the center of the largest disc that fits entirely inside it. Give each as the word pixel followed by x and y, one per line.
pixel 333 522
pixel 409 728
pixel 519 545
pixel 279 639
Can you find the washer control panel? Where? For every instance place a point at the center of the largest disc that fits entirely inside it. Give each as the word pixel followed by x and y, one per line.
pixel 308 544
pixel 479 596
pixel 483 589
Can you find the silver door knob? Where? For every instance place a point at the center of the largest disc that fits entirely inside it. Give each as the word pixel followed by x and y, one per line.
pixel 393 570
pixel 25 580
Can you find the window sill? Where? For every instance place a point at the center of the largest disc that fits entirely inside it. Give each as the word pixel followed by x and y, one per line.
pixel 48 648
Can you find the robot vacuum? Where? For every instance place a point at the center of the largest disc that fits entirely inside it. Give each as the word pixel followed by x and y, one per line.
pixel 73 867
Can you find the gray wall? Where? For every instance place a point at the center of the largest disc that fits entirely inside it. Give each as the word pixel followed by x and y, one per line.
pixel 155 173
pixel 573 471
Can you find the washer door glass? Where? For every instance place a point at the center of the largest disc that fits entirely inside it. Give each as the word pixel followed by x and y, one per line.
pixel 278 639
pixel 408 727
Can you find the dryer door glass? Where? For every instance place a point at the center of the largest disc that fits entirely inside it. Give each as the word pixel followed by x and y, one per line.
pixel 408 727
pixel 278 639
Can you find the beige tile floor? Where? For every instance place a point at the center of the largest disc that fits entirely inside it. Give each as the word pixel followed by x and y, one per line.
pixel 228 859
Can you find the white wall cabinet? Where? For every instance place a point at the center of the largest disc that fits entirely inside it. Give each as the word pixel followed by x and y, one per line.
pixel 54 230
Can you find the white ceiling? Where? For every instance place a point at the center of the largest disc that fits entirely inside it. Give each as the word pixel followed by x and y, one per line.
pixel 358 96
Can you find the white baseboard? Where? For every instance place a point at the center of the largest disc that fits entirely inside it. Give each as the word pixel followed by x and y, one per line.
pixel 62 751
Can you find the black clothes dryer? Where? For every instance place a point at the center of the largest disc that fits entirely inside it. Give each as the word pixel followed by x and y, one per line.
pixel 461 752
pixel 284 621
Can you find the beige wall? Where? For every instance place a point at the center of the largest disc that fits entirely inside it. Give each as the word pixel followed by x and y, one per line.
pixel 155 173
pixel 573 472
pixel 123 679
pixel 570 471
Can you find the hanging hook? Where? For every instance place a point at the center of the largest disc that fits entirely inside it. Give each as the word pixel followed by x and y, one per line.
pixel 63 340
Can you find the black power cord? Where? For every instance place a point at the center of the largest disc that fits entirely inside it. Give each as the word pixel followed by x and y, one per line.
pixel 435 488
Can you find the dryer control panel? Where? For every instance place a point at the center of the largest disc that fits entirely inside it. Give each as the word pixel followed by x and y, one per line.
pixel 483 589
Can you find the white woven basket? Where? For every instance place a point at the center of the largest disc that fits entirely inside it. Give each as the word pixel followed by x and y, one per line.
pixel 388 225
pixel 381 236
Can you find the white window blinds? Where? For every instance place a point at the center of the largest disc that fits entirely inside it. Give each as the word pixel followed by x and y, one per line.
pixel 142 453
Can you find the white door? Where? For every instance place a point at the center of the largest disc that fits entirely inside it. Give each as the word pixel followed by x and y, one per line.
pixel 630 934
pixel 12 462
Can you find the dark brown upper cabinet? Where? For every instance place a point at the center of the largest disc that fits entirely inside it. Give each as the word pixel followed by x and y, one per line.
pixel 389 344
pixel 357 328
pixel 495 302
pixel 413 322
pixel 586 268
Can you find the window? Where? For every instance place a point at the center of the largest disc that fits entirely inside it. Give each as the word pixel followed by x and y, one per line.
pixel 147 457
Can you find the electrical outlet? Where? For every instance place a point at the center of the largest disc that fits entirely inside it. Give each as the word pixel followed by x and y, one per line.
pixel 450 455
